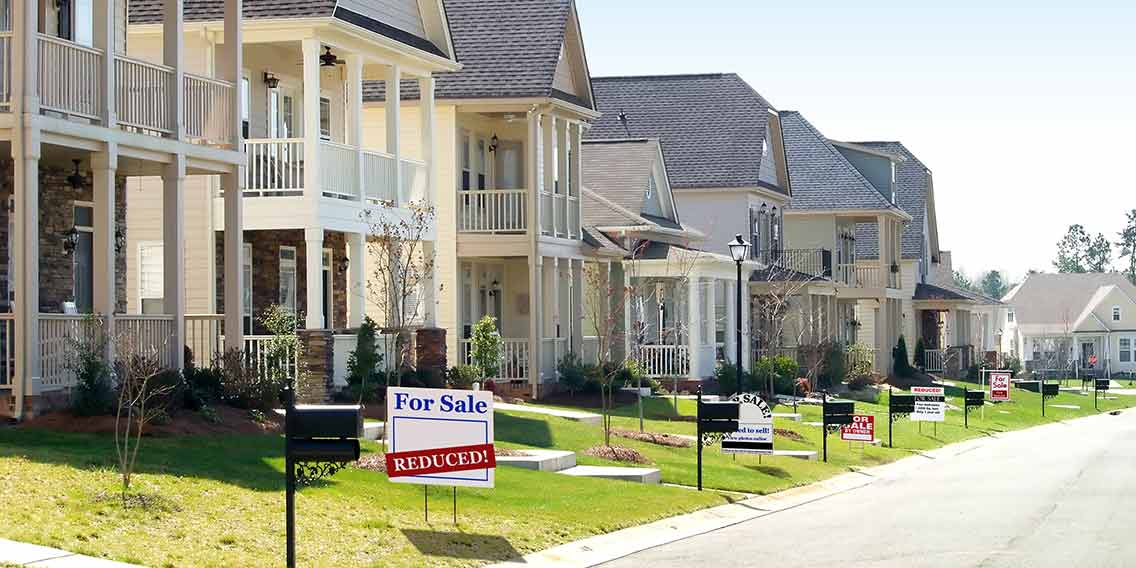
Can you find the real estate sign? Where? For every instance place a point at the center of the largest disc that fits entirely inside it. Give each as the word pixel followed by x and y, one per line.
pixel 930 404
pixel 1000 387
pixel 755 427
pixel 440 437
pixel 862 429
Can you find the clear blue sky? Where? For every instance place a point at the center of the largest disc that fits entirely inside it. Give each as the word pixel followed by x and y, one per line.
pixel 1025 111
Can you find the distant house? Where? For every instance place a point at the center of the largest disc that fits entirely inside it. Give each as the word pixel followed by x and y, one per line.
pixel 1080 323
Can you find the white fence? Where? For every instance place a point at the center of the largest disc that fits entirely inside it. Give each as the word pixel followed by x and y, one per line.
pixel 142 95
pixel 69 77
pixel 208 109
pixel 665 360
pixel 492 211
pixel 378 177
pixel 146 335
pixel 275 167
pixel 413 181
pixel 58 336
pixel 513 364
pixel 339 170
pixel 933 360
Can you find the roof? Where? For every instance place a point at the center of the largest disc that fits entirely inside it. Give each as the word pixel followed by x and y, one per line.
pixel 1059 299
pixel 595 238
pixel 711 127
pixel 912 185
pixel 150 12
pixel 621 172
pixel 821 176
pixel 507 48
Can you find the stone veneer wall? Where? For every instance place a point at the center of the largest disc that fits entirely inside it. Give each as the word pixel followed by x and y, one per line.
pixel 266 272
pixel 56 268
pixel 316 362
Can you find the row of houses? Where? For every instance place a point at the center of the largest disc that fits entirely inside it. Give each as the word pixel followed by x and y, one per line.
pixel 177 166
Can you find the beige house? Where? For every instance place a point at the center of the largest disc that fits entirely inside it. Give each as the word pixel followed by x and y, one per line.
pixel 82 117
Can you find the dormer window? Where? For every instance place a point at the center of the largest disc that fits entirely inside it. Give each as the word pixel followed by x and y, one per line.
pixel 650 186
pixel 1010 315
pixel 1116 313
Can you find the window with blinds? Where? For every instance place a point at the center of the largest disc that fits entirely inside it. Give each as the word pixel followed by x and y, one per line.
pixel 151 278
pixel 287 297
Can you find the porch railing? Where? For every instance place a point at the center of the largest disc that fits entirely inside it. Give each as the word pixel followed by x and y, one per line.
pixel 860 355
pixel 665 360
pixel 204 337
pixel 7 349
pixel 208 108
pixel 142 95
pixel 339 170
pixel 69 77
pixel 6 71
pixel 933 360
pixel 58 336
pixel 513 364
pixel 810 262
pixel 492 211
pixel 573 205
pixel 147 335
pixel 413 181
pixel 258 356
pixel 378 177
pixel 275 167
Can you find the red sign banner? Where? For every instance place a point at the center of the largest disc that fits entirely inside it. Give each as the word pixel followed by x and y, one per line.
pixel 862 429
pixel 441 460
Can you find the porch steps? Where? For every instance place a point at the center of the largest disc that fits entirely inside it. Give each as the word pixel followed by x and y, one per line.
pixel 541 460
pixel 578 416
pixel 373 430
pixel 634 474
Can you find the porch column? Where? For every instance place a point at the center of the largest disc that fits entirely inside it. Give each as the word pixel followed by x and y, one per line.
pixel 577 268
pixel 536 311
pixel 313 278
pixel 885 241
pixel 746 319
pixel 310 47
pixel 547 157
pixel 561 157
pixel 428 121
pixel 710 303
pixel 576 137
pixel 354 119
pixel 173 251
pixel 26 154
pixel 103 167
pixel 394 125
pixel 731 321
pixel 356 279
pixel 231 68
pixel 532 179
pixel 103 16
pixel 551 294
pixel 429 300
pixel 693 331
pixel 173 56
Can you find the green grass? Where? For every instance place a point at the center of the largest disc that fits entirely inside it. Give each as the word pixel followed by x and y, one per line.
pixel 219 501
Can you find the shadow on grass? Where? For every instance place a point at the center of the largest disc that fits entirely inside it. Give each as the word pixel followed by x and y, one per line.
pixel 521 430
pixel 462 545
pixel 771 470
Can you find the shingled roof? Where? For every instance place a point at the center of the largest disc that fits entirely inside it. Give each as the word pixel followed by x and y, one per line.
pixel 150 12
pixel 507 48
pixel 822 177
pixel 711 127
pixel 912 185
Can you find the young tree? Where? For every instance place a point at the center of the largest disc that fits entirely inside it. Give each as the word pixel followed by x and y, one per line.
pixel 402 275
pixel 1127 246
pixel 963 281
pixel 1098 257
pixel 993 284
pixel 138 395
pixel 1078 252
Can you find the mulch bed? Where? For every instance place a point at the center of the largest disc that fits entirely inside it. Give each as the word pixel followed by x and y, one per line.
pixel 668 440
pixel 183 423
pixel 582 400
pixel 788 434
pixel 617 453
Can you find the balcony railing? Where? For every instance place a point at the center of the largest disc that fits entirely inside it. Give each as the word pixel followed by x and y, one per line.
pixel 339 170
pixel 493 211
pixel 378 176
pixel 867 276
pixel 143 96
pixel 413 181
pixel 208 108
pixel 69 77
pixel 816 263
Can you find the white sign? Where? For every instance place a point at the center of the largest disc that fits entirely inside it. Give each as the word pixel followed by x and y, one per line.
pixel 999 386
pixel 440 437
pixel 755 427
pixel 930 404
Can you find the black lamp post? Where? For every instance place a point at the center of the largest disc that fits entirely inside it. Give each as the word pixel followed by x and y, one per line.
pixel 739 250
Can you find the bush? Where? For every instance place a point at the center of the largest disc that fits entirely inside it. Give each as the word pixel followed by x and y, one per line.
pixel 862 360
pixel 172 388
pixel 572 375
pixel 242 386
pixel 93 394
pixel 920 353
pixel 861 382
pixel 903 367
pixel 203 386
pixel 422 378
pixel 363 363
pixel 783 371
pixel 835 367
pixel 727 377
pixel 1013 364
pixel 463 376
pixel 485 345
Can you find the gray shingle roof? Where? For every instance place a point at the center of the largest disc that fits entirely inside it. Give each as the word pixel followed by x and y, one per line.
pixel 912 182
pixel 822 178
pixel 1057 299
pixel 620 171
pixel 507 48
pixel 595 238
pixel 711 127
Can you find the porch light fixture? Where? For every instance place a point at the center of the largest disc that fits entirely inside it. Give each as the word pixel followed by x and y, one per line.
pixel 739 250
pixel 76 179
pixel 344 262
pixel 70 241
pixel 493 143
pixel 328 59
pixel 762 211
pixel 119 239
pixel 270 80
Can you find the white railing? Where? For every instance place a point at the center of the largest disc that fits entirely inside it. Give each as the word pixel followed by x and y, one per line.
pixel 208 110
pixel 258 356
pixel 6 71
pixel 546 216
pixel 868 277
pixel 665 360
pixel 492 210
pixel 413 181
pixel 147 336
pixel 552 350
pixel 7 349
pixel 143 93
pixel 558 212
pixel 275 167
pixel 513 365
pixel 58 336
pixel 573 217
pixel 69 77
pixel 204 335
pixel 339 170
pixel 378 177
pixel 933 360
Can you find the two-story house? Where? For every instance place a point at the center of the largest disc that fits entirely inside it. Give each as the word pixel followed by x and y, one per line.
pixel 80 117
pixel 317 176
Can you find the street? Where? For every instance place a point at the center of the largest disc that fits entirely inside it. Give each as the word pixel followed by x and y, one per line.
pixel 1059 495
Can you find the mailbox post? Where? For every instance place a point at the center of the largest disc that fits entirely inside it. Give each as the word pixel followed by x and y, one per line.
pixel 1046 390
pixel 318 442
pixel 971 399
pixel 714 420
pixel 1099 385
pixel 835 415
pixel 898 405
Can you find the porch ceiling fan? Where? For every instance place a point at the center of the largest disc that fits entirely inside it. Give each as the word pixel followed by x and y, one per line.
pixel 329 59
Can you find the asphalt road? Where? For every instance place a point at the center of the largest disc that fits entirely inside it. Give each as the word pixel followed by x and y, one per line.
pixel 1062 495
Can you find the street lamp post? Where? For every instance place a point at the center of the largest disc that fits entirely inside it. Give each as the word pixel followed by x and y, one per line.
pixel 739 250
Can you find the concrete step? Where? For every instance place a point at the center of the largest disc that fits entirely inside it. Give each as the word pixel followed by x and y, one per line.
pixel 578 416
pixel 795 417
pixel 807 455
pixel 373 430
pixel 541 460
pixel 634 474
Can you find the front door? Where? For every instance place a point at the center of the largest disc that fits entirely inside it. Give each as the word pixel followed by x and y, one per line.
pixel 1088 355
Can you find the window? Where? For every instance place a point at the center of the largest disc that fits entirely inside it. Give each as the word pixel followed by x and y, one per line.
pixel 1010 315
pixel 84 22
pixel 325 118
pixel 483 162
pixel 465 157
pixel 287 119
pixel 1116 313
pixel 1125 350
pixel 246 104
pixel 650 186
pixel 246 285
pixel 83 257
pixel 287 297
pixel 151 278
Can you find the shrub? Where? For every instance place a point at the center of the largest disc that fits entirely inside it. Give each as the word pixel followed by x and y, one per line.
pixel 861 382
pixel 727 376
pixel 172 388
pixel 363 363
pixel 203 386
pixel 93 394
pixel 243 387
pixel 920 353
pixel 862 360
pixel 593 379
pixel 1013 364
pixel 572 373
pixel 485 346
pixel 463 376
pixel 899 354
pixel 422 378
pixel 783 371
pixel 835 367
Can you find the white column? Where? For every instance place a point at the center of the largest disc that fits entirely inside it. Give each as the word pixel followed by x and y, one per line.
pixel 313 278
pixel 356 279
pixel 548 135
pixel 885 249
pixel 231 68
pixel 709 313
pixel 427 117
pixel 173 251
pixel 173 55
pixel 103 14
pixel 532 179
pixel 577 309
pixel 731 348
pixel 310 48
pixel 561 156
pixel 394 126
pixel 575 171
pixel 693 331
pixel 103 168
pixel 623 302
pixel 233 184
pixel 354 119
pixel 25 255
pixel 536 310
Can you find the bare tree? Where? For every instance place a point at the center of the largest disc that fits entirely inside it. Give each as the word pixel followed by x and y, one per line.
pixel 138 401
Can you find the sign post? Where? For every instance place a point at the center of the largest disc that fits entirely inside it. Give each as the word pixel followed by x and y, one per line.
pixel 714 420
pixel 971 399
pixel 1100 385
pixel 930 404
pixel 836 414
pixel 899 405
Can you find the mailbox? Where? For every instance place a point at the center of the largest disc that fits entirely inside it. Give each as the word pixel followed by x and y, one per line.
pixel 838 413
pixel 1102 384
pixel 975 398
pixel 320 421
pixel 1049 389
pixel 1031 386
pixel 338 451
pixel 901 403
pixel 718 410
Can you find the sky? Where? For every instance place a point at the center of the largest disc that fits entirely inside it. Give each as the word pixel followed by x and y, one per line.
pixel 1025 111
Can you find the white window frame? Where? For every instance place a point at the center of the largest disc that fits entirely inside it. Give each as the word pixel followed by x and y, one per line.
pixel 292 264
pixel 246 284
pixel 1117 315
pixel 325 102
pixel 146 245
pixel 1121 351
pixel 90 229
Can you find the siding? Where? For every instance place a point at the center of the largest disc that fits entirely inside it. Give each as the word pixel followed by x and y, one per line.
pixel 402 14
pixel 810 232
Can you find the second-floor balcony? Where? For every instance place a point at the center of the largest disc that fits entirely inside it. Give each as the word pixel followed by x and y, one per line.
pixel 786 263
pixel 70 80
pixel 867 276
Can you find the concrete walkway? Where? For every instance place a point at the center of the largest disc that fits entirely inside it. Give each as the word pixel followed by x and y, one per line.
pixel 578 416
pixel 34 555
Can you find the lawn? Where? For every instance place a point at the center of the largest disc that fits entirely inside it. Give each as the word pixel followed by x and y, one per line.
pixel 218 501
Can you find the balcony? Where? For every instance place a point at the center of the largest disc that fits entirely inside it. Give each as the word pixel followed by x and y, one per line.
pixel 866 276
pixel 814 263
pixel 493 211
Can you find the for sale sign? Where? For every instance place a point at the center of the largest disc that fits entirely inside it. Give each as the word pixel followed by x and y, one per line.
pixel 755 427
pixel 930 404
pixel 862 429
pixel 440 437
pixel 1000 387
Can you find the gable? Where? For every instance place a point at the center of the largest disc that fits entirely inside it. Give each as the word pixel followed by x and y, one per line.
pixel 767 172
pixel 401 14
pixel 1109 298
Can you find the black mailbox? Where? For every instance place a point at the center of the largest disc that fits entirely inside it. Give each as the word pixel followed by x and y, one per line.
pixel 338 451
pixel 719 426
pixel 1049 389
pixel 975 398
pixel 838 412
pixel 1103 384
pixel 319 421
pixel 901 403
pixel 1032 386
pixel 718 410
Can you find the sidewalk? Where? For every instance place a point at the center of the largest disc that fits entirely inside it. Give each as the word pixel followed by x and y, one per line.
pixel 34 555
